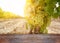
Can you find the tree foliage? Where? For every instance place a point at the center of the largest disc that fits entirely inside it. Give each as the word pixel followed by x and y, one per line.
pixel 53 8
pixel 1 13
pixel 39 13
pixel 7 15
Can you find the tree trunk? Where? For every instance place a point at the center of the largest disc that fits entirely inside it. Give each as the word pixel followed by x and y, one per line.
pixel 31 31
pixel 37 30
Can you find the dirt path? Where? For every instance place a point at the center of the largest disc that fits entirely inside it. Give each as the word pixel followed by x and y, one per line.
pixel 19 26
pixel 54 28
pixel 13 26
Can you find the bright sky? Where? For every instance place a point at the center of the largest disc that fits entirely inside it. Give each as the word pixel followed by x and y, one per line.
pixel 15 6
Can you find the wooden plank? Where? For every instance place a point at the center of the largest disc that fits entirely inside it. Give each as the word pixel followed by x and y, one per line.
pixel 31 38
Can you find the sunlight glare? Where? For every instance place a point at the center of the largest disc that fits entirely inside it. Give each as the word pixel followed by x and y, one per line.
pixel 14 6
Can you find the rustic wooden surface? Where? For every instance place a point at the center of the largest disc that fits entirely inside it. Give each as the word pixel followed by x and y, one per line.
pixel 35 38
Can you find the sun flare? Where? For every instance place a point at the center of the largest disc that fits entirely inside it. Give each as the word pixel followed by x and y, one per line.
pixel 14 6
pixel 22 4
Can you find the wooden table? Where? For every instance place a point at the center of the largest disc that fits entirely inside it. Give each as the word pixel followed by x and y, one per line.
pixel 30 38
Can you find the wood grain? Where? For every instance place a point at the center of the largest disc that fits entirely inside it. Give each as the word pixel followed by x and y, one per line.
pixel 31 38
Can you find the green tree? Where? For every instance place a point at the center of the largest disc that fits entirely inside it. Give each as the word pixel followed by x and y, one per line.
pixel 1 13
pixel 53 8
pixel 39 13
pixel 7 15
